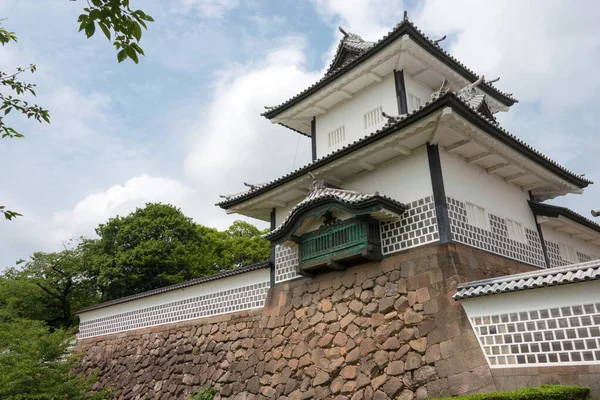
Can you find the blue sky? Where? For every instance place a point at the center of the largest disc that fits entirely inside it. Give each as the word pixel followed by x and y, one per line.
pixel 183 126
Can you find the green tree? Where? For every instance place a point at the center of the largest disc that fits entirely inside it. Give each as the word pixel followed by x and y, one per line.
pixel 150 248
pixel 49 287
pixel 115 18
pixel 158 245
pixel 35 364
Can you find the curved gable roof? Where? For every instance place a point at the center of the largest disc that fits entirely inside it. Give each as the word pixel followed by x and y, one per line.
pixel 404 27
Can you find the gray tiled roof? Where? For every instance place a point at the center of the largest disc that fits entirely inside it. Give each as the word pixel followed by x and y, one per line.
pixel 404 27
pixel 432 105
pixel 553 211
pixel 352 42
pixel 348 197
pixel 574 273
pixel 177 286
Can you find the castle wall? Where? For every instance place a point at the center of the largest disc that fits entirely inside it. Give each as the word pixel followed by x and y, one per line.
pixel 502 202
pixel 350 114
pixel 380 330
pixel 554 240
pixel 233 293
pixel 417 94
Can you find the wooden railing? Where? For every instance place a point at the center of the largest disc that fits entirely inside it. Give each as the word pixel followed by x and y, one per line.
pixel 347 237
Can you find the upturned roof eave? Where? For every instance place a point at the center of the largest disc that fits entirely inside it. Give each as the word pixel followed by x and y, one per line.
pixel 447 100
pixel 405 27
pixel 553 211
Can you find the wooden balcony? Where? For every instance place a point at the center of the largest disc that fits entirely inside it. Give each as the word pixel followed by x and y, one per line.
pixel 337 246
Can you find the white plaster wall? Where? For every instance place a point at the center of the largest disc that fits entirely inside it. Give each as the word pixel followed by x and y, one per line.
pixel 402 178
pixel 468 182
pixel 533 299
pixel 282 212
pixel 350 113
pixel 557 237
pixel 416 89
pixel 249 278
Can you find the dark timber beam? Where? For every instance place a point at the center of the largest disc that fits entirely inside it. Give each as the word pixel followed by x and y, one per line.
pixel 273 226
pixel 540 234
pixel 400 92
pixel 439 193
pixel 313 137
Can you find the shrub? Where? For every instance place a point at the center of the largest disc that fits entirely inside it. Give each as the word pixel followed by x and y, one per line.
pixel 545 392
pixel 204 394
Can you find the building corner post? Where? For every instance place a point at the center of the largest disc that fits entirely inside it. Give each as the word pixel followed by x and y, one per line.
pixel 400 92
pixel 313 138
pixel 272 257
pixel 439 193
pixel 541 235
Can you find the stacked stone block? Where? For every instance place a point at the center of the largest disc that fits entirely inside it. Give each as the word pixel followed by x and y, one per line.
pixel 382 330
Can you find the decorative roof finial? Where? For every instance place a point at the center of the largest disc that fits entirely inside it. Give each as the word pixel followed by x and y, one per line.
pixel 392 118
pixel 468 92
pixel 439 40
pixel 442 90
pixel 269 107
pixel 253 186
pixel 317 184
pixel 493 80
pixel 343 31
pixel 406 15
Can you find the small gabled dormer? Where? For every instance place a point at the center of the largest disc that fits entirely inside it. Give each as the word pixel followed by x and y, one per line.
pixel 334 228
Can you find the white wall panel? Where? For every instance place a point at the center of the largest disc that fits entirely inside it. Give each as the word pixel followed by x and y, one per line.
pixel 350 114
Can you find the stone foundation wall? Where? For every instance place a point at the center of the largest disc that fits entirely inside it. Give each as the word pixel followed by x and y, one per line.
pixel 383 330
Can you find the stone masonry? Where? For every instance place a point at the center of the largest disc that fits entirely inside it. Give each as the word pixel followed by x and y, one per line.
pixel 382 330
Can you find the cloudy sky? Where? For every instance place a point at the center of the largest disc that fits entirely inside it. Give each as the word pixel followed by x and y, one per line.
pixel 183 126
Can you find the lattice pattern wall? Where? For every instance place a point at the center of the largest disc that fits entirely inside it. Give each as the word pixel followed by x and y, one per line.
pixel 417 226
pixel 494 240
pixel 286 260
pixel 555 336
pixel 556 259
pixel 235 299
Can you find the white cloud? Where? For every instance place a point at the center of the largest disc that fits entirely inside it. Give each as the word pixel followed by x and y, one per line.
pixel 122 199
pixel 542 50
pixel 209 8
pixel 231 142
pixel 370 19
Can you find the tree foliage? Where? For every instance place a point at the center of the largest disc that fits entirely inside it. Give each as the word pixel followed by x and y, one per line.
pixel 115 18
pixel 158 245
pixel 35 363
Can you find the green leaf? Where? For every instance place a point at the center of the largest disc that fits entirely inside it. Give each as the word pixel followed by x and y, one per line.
pixel 104 29
pixel 132 54
pixel 122 55
pixel 137 31
pixel 90 28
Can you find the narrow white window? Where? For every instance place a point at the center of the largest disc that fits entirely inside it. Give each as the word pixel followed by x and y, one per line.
pixel 477 216
pixel 515 231
pixel 337 136
pixel 567 253
pixel 413 101
pixel 373 117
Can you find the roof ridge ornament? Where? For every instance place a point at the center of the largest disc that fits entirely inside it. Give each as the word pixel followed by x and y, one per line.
pixel 391 119
pixel 317 184
pixel 437 41
pixel 492 81
pixel 406 15
pixel 468 92
pixel 445 87
pixel 342 31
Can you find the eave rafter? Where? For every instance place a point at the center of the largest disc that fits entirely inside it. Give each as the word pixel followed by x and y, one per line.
pixel 542 177
pixel 329 172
